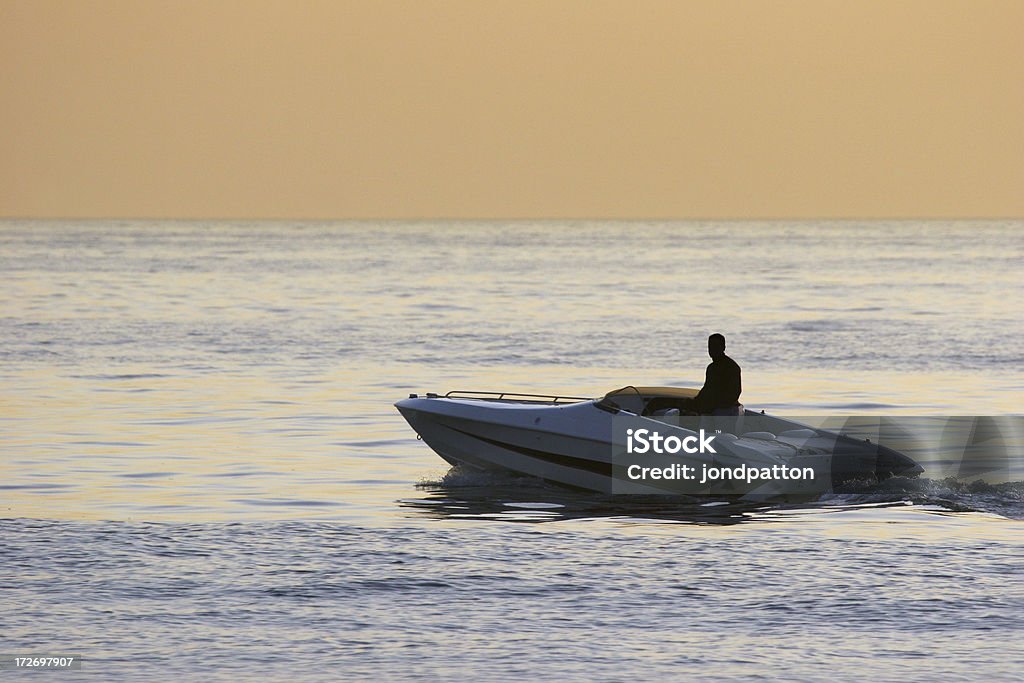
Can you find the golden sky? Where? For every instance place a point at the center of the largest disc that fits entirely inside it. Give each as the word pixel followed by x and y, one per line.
pixel 517 108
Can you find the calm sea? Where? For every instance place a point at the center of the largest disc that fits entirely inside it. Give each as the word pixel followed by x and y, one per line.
pixel 202 475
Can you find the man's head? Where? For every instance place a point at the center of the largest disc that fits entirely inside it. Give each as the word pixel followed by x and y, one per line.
pixel 716 346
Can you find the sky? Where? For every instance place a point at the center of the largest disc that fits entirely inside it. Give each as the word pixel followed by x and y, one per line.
pixel 512 109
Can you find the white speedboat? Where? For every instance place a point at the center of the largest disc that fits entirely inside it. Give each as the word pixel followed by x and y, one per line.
pixel 591 443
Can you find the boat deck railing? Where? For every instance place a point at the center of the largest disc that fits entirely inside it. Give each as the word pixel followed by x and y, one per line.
pixel 516 397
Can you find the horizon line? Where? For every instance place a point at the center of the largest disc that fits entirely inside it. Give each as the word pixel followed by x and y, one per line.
pixel 520 219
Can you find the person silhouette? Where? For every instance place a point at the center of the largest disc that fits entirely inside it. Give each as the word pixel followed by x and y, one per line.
pixel 722 386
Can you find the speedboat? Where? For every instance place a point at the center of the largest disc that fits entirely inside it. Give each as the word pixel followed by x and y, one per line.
pixel 592 443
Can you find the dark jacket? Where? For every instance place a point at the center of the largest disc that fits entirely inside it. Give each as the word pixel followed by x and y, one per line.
pixel 722 386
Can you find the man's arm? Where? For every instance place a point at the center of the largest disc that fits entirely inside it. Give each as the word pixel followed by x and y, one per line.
pixel 705 396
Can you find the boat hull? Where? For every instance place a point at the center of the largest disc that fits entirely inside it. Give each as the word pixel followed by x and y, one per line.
pixel 576 445
pixel 514 441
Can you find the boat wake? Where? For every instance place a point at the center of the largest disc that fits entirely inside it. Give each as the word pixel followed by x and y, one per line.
pixel 467 494
pixel 1005 499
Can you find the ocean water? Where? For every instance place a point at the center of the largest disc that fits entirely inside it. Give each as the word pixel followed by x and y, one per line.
pixel 202 474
